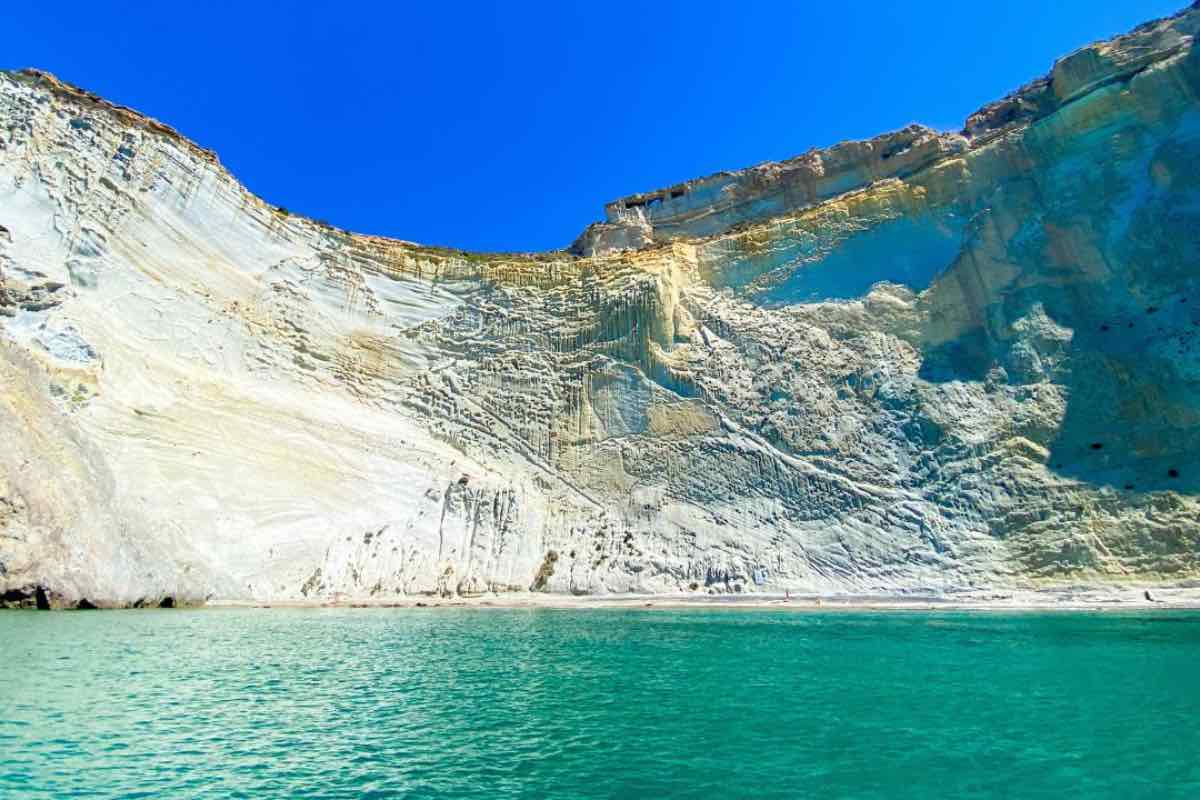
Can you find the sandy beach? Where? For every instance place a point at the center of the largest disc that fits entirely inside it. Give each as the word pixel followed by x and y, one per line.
pixel 1072 598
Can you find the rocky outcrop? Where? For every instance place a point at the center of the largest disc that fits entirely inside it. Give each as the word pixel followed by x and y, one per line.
pixel 928 362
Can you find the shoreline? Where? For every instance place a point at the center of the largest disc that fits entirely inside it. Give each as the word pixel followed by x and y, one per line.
pixel 1071 598
pixel 1163 599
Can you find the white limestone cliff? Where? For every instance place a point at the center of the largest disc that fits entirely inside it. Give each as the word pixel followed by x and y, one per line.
pixel 928 362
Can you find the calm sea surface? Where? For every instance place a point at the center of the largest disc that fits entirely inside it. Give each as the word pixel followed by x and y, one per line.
pixel 598 704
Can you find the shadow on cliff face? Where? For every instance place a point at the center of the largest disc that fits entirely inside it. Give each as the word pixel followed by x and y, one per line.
pixel 1086 277
pixel 913 249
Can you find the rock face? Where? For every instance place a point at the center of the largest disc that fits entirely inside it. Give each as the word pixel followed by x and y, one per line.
pixel 924 362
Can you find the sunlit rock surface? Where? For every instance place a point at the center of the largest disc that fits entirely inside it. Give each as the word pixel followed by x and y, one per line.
pixel 928 362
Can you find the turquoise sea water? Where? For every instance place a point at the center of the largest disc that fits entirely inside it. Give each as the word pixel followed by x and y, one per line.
pixel 598 704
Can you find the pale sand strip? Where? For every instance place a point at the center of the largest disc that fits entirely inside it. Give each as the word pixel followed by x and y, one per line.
pixel 1059 599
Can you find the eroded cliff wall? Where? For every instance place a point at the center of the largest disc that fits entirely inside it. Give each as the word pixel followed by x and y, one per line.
pixel 924 362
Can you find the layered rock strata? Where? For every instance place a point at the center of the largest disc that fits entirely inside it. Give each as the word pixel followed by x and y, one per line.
pixel 927 362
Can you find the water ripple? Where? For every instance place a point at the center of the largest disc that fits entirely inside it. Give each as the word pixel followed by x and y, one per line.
pixel 597 704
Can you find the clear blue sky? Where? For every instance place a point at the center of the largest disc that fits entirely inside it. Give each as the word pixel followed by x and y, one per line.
pixel 507 126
